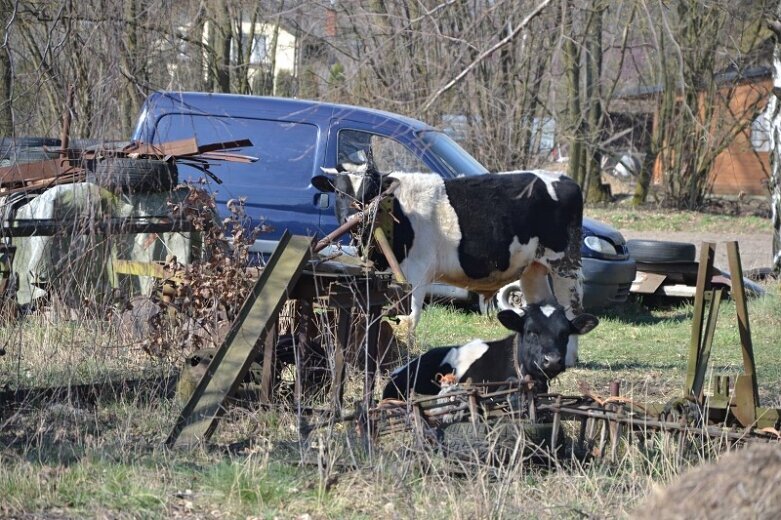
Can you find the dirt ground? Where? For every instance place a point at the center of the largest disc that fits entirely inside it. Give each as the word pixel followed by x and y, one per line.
pixel 755 248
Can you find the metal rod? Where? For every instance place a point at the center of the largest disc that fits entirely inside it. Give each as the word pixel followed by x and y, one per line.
pixel 117 225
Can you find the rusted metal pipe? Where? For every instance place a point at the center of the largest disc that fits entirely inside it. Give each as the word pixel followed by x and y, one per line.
pixel 66 122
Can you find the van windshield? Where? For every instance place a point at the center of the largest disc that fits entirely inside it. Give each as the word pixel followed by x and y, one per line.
pixel 450 154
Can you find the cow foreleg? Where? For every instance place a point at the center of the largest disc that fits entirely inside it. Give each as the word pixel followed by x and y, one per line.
pixel 417 297
pixel 535 285
pixel 568 290
pixel 405 330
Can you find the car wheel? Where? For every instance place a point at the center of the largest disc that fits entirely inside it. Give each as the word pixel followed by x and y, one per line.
pixel 135 175
pixel 510 297
pixel 661 252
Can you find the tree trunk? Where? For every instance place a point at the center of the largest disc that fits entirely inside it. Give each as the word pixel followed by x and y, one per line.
pixel 223 40
pixel 6 74
pixel 596 192
pixel 774 116
pixel 131 101
pixel 572 67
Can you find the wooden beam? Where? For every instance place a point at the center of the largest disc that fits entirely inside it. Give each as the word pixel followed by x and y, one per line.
pixel 201 414
pixel 738 292
pixel 707 254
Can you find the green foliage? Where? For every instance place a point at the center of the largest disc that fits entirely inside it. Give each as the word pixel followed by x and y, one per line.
pixel 631 219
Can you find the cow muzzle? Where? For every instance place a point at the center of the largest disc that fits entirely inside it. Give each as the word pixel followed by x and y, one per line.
pixel 552 364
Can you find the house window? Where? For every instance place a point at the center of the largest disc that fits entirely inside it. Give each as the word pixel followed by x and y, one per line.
pixel 258 54
pixel 760 137
pixel 259 49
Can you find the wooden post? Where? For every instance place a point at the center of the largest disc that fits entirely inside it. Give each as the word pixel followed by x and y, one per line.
pixel 267 380
pixel 707 254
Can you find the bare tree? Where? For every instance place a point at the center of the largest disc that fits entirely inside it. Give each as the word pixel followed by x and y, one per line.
pixel 7 13
pixel 774 116
pixel 697 64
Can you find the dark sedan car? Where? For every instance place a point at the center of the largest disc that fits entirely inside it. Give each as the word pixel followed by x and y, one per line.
pixel 608 271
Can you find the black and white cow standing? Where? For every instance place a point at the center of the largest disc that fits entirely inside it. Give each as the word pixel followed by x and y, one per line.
pixel 537 350
pixel 479 232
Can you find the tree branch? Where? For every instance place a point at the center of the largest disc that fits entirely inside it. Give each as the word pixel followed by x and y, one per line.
pixel 504 41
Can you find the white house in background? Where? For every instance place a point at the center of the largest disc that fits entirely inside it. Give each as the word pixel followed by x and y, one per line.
pixel 261 40
pixel 263 51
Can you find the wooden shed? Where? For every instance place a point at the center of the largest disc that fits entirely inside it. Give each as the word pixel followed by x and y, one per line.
pixel 742 167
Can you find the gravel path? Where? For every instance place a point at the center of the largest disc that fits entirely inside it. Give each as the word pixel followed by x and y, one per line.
pixel 755 248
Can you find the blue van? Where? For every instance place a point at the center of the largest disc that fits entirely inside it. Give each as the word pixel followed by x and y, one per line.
pixel 294 139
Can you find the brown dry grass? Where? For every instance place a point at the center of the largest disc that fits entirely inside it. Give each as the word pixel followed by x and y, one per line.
pixel 742 484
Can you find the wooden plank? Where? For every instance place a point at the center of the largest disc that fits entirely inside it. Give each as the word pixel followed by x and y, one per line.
pixel 707 254
pixel 745 409
pixel 201 414
pixel 707 344
pixel 344 320
pixel 10 176
pixel 738 292
pixel 224 145
pixel 182 147
pixel 647 283
pixel 136 268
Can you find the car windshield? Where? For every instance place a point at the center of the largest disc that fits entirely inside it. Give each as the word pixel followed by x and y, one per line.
pixel 452 156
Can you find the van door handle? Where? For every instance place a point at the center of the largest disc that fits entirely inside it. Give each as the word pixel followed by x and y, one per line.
pixel 322 200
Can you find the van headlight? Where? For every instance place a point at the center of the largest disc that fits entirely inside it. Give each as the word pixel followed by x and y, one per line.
pixel 600 245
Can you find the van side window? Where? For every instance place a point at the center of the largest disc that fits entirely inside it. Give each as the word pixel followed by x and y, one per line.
pixel 389 154
pixel 285 151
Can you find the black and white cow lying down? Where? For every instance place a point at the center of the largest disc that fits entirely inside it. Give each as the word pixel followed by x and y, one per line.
pixel 537 349
pixel 480 232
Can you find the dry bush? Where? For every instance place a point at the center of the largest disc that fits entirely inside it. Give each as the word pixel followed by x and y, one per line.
pixel 743 484
pixel 199 301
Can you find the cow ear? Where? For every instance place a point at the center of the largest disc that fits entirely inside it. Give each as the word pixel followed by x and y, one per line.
pixel 323 183
pixel 583 323
pixel 511 319
pixel 386 182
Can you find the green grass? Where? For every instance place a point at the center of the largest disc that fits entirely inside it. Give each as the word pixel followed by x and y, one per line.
pixel 643 347
pixel 643 219
pixel 73 460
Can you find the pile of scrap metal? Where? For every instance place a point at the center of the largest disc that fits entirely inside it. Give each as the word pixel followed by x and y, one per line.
pixel 73 164
pixel 54 201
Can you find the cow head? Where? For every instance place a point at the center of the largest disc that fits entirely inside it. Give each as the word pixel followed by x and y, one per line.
pixel 543 332
pixel 353 184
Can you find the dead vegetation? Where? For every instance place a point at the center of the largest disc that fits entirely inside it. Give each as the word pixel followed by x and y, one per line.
pixel 742 484
pixel 101 456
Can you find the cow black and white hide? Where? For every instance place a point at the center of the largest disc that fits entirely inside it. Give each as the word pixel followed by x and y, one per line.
pixel 478 232
pixel 536 349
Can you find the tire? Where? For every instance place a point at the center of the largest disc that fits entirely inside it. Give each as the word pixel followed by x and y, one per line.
pixel 510 297
pixel 27 142
pixel 661 252
pixel 128 175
